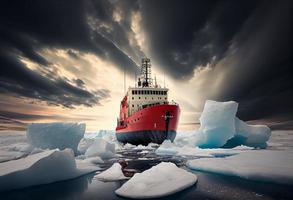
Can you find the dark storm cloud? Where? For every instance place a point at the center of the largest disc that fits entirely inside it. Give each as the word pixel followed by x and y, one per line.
pixel 28 26
pixel 185 35
pixel 252 39
pixel 261 79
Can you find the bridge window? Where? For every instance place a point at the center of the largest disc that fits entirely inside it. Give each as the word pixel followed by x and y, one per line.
pixel 156 92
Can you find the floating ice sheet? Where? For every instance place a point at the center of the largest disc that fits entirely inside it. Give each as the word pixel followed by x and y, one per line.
pixel 41 168
pixel 161 180
pixel 259 165
pixel 114 173
pixel 169 149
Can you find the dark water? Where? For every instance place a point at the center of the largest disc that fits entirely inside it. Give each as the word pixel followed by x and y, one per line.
pixel 209 186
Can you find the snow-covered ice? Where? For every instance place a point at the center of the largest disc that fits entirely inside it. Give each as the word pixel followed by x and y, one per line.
pixel 101 148
pixel 259 165
pixel 55 135
pixel 161 180
pixel 114 173
pixel 41 168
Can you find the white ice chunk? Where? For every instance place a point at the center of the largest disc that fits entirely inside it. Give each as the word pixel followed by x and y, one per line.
pixel 55 135
pixel 259 165
pixel 149 146
pixel 101 148
pixel 114 173
pixel 129 146
pixel 217 123
pixel 41 168
pixel 167 148
pixel 94 160
pixel 250 135
pixel 161 180
pixel 84 144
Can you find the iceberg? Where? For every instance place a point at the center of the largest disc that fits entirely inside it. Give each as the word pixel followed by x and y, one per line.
pixel 221 128
pixel 217 123
pixel 40 168
pixel 258 165
pixel 101 148
pixel 55 135
pixel 114 173
pixel 161 180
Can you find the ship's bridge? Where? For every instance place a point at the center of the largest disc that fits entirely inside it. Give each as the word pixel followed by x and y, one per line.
pixel 142 97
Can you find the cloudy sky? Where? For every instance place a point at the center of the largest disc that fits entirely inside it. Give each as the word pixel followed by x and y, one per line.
pixel 63 60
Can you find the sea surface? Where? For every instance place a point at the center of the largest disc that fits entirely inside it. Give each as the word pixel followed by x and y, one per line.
pixel 209 185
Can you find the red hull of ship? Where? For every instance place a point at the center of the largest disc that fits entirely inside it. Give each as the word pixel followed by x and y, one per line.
pixel 150 125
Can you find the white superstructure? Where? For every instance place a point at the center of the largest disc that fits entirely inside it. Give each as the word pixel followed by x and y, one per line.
pixel 138 98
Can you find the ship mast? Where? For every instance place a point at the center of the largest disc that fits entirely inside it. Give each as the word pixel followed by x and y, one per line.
pixel 145 73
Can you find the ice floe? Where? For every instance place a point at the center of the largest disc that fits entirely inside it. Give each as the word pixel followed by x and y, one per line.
pixel 55 135
pixel 168 148
pixel 101 148
pixel 114 173
pixel 84 144
pixel 161 180
pixel 258 165
pixel 41 168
